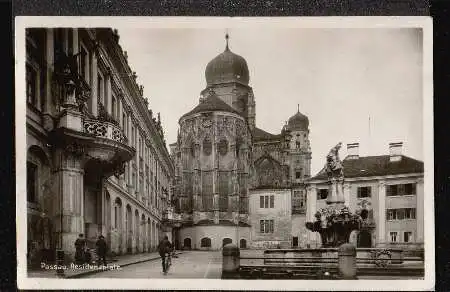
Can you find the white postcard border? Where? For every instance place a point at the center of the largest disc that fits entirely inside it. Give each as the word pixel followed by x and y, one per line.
pixel 425 23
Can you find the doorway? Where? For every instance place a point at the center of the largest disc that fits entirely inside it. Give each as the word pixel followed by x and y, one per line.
pixel 187 243
pixel 364 239
pixel 226 241
pixel 295 241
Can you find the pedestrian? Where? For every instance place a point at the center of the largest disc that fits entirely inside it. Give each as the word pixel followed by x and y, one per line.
pixel 164 247
pixel 80 246
pixel 101 250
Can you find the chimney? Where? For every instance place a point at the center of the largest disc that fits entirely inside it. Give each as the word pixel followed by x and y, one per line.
pixel 353 151
pixel 395 151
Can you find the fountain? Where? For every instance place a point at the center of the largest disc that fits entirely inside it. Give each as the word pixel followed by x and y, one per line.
pixel 335 222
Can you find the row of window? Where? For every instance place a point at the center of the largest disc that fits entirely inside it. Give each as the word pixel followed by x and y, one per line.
pixel 396 236
pixel 222 147
pixel 366 192
pixel 401 214
pixel 267 201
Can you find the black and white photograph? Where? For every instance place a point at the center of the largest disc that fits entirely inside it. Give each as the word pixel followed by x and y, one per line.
pixel 212 153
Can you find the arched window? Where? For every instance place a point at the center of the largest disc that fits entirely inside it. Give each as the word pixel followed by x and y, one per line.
pixel 243 243
pixel 205 242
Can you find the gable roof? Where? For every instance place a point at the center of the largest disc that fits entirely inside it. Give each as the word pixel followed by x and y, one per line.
pixel 261 135
pixel 211 103
pixel 376 166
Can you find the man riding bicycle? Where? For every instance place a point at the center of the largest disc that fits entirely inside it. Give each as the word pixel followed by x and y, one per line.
pixel 165 247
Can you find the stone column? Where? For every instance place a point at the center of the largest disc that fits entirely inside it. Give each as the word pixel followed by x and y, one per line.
pixel 108 91
pixel 230 261
pixel 215 182
pixel 157 232
pixel 94 71
pixel 138 162
pixel 50 59
pixel 311 201
pixel 101 208
pixel 154 243
pixel 74 40
pixel 381 224
pixel 420 219
pixel 69 201
pixel 347 261
pixel 124 228
pixel 65 40
pixel 347 195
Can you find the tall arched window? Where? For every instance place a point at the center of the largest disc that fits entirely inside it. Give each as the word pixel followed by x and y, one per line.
pixel 223 146
pixel 207 146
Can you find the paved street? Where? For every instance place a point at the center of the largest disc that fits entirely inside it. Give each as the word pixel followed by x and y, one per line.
pixel 189 264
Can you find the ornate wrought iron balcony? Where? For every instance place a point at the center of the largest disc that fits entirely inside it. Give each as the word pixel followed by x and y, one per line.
pixel 104 130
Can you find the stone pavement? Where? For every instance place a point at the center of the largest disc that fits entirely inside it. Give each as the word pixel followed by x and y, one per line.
pixel 119 261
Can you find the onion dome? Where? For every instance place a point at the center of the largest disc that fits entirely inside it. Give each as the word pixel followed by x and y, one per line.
pixel 298 122
pixel 227 67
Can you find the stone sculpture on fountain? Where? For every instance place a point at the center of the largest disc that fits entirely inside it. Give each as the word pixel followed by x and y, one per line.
pixel 334 222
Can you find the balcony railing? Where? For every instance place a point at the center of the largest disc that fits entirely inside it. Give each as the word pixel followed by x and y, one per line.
pixel 104 130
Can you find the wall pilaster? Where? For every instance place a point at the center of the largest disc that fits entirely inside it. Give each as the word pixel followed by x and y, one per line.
pixel 381 224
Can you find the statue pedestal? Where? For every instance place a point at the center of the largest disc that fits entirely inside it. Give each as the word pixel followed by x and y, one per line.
pixel 336 193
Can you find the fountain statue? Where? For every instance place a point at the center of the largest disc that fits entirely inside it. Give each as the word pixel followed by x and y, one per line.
pixel 335 222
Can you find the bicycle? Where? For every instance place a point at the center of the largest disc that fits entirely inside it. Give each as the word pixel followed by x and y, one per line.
pixel 167 261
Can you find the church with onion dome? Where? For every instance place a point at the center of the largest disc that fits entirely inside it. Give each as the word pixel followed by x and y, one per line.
pixel 235 182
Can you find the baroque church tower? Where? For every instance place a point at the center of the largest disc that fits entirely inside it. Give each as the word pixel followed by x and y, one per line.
pixel 235 182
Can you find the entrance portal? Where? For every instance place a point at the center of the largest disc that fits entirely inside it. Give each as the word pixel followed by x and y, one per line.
pixel 226 241
pixel 187 243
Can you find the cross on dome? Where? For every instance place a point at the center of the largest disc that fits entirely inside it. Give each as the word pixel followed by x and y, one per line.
pixel 226 39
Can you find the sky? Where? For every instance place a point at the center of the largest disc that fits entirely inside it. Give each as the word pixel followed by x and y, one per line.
pixel 360 85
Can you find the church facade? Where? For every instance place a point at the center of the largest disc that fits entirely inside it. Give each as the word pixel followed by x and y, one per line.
pixel 235 182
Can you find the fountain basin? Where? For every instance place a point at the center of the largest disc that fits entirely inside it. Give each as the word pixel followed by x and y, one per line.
pixel 329 256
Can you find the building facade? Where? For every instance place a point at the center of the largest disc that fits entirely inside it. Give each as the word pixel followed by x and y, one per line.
pixel 225 166
pixel 96 156
pixel 235 182
pixel 387 191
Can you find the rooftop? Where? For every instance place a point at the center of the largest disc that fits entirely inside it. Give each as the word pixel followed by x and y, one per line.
pixel 261 135
pixel 377 166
